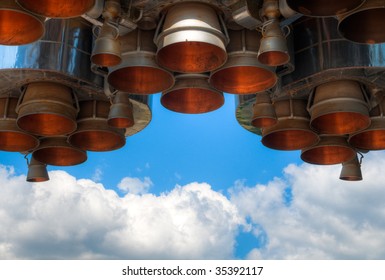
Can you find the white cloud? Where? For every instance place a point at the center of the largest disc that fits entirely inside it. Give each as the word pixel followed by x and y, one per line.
pixel 326 219
pixel 135 185
pixel 66 218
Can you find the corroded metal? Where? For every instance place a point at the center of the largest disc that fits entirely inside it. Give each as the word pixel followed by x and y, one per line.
pixel 121 113
pixel 191 40
pixel 57 151
pixel 93 132
pixel 373 137
pixel 107 51
pixel 351 170
pixel 12 138
pixel 37 171
pixel 47 109
pixel 329 150
pixel 192 94
pixel 139 73
pixel 292 131
pixel 273 50
pixel 243 73
pixel 263 112
pixel 339 107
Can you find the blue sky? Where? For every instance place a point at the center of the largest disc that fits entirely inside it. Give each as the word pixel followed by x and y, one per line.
pixel 202 187
pixel 178 148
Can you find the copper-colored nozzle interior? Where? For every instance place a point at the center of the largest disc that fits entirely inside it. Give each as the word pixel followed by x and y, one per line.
pixel 60 156
pixel 13 139
pixel 57 8
pixel 56 151
pixel 97 140
pixel 46 124
pixel 339 107
pixel 191 57
pixel 106 59
pixel 37 180
pixel 373 138
pixel 370 140
pixel 323 7
pixel 19 27
pixel 192 100
pixel 243 79
pixel 121 113
pixel 17 141
pixel 47 109
pixel 93 132
pixel 121 122
pixel 274 58
pixel 264 122
pixel 341 123
pixel 364 26
pixel 327 155
pixel 329 150
pixel 141 80
pixel 290 139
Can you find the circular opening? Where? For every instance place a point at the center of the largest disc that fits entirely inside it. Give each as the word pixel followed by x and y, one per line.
pixel 340 123
pixel 57 8
pixel 364 26
pixel 262 122
pixel 288 140
pixel 141 80
pixel 60 156
pixel 191 57
pixel 46 124
pixel 243 79
pixel 17 141
pixel 369 140
pixel 105 59
pixel 323 8
pixel 97 141
pixel 273 58
pixel 19 28
pixel 121 122
pixel 327 155
pixel 192 100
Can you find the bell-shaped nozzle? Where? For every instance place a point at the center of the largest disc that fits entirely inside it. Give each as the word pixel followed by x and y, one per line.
pixel 17 26
pixel 365 24
pixel 329 150
pixel 191 40
pixel 106 51
pixel 192 94
pixel 323 8
pixel 57 8
pixel 263 111
pixel 37 171
pixel 339 107
pixel 273 50
pixel 121 112
pixel 351 170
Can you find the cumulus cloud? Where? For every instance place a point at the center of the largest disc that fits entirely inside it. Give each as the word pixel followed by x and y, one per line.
pixel 135 185
pixel 67 218
pixel 326 218
pixel 308 213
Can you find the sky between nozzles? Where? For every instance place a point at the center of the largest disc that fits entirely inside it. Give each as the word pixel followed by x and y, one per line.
pixel 202 187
